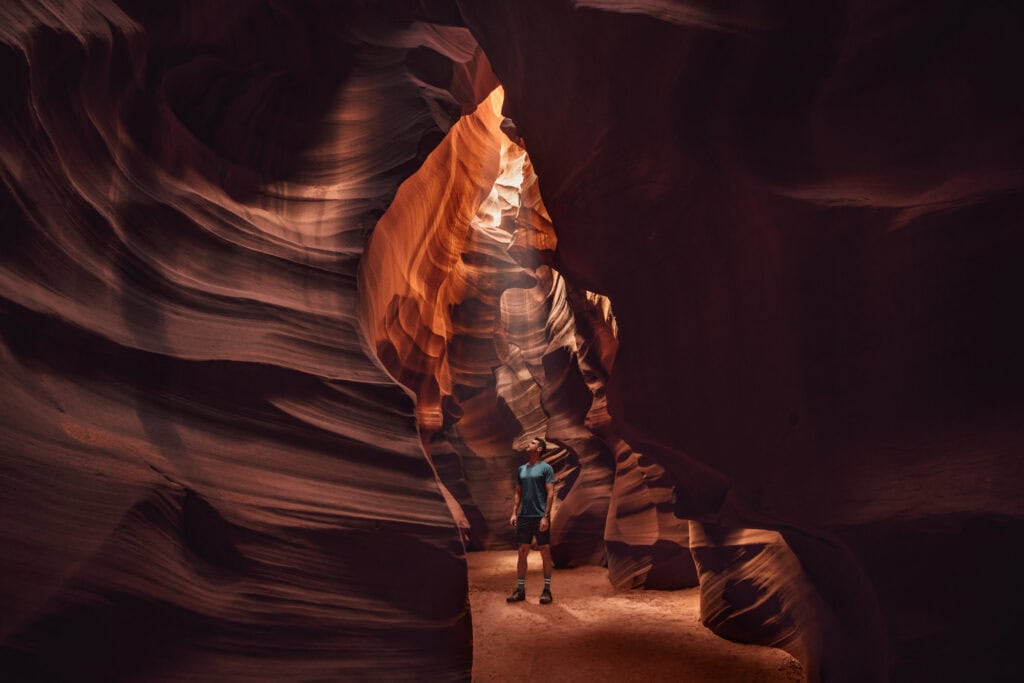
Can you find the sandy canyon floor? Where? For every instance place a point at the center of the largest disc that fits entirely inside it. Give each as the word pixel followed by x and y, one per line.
pixel 593 632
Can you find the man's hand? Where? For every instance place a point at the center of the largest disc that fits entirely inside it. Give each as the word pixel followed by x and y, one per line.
pixel 544 524
pixel 512 520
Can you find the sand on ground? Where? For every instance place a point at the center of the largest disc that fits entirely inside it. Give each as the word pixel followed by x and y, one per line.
pixel 593 632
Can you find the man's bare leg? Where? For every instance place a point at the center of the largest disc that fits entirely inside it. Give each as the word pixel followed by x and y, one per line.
pixel 545 554
pixel 520 592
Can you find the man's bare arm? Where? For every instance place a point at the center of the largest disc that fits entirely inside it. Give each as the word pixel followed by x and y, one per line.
pixel 515 505
pixel 549 509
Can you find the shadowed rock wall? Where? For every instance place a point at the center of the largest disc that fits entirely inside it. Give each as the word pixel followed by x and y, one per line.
pixel 804 215
pixel 204 474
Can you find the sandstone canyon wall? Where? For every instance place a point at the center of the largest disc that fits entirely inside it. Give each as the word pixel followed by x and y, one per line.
pixel 279 295
pixel 205 474
pixel 463 311
pixel 829 195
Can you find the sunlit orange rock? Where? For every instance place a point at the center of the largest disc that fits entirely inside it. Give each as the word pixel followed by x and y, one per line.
pixel 483 342
pixel 767 312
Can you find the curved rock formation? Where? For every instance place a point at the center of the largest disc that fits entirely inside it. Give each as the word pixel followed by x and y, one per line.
pixel 462 310
pixel 827 194
pixel 205 474
pixel 236 438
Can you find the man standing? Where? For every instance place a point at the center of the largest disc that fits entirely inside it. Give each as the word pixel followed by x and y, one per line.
pixel 531 516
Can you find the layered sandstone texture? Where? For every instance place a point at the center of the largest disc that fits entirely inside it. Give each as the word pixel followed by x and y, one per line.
pixel 497 348
pixel 206 475
pixel 213 467
pixel 280 296
pixel 807 216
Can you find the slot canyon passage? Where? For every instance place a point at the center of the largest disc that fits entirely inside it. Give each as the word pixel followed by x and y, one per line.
pixel 280 297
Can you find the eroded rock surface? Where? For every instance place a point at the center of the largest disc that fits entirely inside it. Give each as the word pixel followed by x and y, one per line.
pixel 205 473
pixel 828 194
pixel 497 348
pixel 235 445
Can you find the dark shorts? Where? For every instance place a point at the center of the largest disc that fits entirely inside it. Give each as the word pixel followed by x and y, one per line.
pixel 528 527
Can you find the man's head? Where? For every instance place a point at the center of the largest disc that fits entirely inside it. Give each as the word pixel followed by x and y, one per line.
pixel 536 447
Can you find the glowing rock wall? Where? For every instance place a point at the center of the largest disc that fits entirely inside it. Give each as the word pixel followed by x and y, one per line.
pixel 497 349
pixel 806 215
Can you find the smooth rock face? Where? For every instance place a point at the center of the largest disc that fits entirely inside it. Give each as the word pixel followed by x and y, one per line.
pixel 205 474
pixel 203 461
pixel 805 215
pixel 497 349
pixel 239 441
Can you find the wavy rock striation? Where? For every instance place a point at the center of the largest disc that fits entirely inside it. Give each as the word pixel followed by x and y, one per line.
pixel 202 460
pixel 804 216
pixel 205 474
pixel 463 311
pixel 238 440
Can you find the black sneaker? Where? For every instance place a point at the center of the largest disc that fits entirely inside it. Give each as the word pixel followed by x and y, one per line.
pixel 545 597
pixel 518 595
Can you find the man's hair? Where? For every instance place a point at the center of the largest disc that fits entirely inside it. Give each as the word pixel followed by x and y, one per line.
pixel 543 444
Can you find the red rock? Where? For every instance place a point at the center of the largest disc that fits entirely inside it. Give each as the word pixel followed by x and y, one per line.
pixel 802 215
pixel 238 441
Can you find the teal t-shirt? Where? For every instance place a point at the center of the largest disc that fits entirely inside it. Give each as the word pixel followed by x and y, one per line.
pixel 533 481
